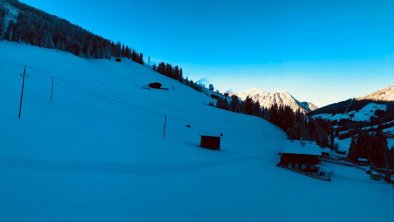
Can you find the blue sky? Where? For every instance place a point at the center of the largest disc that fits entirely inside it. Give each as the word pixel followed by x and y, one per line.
pixel 319 51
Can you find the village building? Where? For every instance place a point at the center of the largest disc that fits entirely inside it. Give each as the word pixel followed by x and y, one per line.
pixel 362 161
pixel 301 158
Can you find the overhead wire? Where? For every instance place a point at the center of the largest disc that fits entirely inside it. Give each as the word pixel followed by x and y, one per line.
pixel 71 85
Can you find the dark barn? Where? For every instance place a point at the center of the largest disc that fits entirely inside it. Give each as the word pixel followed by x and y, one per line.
pixel 155 85
pixel 302 159
pixel 210 142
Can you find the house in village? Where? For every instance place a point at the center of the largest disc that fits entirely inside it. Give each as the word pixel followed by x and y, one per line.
pixel 305 159
pixel 362 161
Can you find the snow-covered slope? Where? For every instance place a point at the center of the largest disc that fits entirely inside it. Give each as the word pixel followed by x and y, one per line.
pixel 308 106
pixel 364 114
pixel 97 153
pixel 386 94
pixel 11 15
pixel 281 98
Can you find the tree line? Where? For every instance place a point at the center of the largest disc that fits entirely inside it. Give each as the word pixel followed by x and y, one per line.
pixel 296 124
pixel 370 146
pixel 35 27
pixel 169 70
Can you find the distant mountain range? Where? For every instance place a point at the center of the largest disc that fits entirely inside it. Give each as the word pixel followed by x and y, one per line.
pixel 386 94
pixel 372 112
pixel 280 98
pixel 384 97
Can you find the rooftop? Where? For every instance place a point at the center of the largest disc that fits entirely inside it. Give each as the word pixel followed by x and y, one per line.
pixel 298 148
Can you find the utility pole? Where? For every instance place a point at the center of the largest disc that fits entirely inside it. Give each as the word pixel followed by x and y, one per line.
pixel 165 125
pixel 52 90
pixel 23 89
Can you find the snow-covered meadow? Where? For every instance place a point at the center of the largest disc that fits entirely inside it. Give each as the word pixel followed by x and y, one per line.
pixel 97 153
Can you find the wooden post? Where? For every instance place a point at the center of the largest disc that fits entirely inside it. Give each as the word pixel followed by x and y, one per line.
pixel 23 89
pixel 165 125
pixel 52 90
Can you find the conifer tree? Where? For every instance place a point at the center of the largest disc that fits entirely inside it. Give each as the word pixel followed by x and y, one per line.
pixel 378 149
pixel 352 154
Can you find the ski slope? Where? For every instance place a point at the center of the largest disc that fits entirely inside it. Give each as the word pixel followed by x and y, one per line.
pixel 97 153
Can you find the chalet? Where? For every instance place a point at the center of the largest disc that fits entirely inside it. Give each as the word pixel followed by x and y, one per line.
pixel 300 158
pixel 210 142
pixel 118 59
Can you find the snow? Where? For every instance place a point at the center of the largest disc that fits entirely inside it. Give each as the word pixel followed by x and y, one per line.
pixel 389 130
pixel 298 148
pixel 12 15
pixel 390 143
pixel 364 114
pixel 281 98
pixel 386 94
pixel 343 145
pixel 97 153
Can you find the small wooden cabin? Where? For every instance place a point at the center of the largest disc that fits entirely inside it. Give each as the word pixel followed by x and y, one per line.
pixel 118 59
pixel 304 159
pixel 155 85
pixel 210 142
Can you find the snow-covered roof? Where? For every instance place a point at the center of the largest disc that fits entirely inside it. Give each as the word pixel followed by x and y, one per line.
pixel 210 133
pixel 362 159
pixel 297 148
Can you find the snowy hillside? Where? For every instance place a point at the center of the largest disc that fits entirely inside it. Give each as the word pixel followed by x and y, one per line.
pixel 386 94
pixel 364 114
pixel 281 98
pixel 97 153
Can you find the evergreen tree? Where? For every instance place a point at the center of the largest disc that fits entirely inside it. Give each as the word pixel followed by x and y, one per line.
pixel 235 104
pixel 248 106
pixel 378 150
pixel 257 108
pixel 352 154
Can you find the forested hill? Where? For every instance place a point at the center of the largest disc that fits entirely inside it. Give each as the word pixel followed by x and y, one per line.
pixel 22 23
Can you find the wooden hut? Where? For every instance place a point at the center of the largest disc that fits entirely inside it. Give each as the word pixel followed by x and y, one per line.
pixel 304 159
pixel 118 59
pixel 210 142
pixel 155 85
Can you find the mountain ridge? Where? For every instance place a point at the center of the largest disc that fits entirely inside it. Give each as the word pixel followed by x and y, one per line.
pixel 279 97
pixel 385 94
